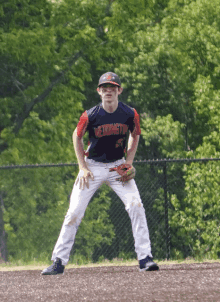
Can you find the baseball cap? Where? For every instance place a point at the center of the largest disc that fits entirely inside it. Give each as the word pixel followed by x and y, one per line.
pixel 109 77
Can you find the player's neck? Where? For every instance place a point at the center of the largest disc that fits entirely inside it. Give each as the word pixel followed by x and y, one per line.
pixel 110 108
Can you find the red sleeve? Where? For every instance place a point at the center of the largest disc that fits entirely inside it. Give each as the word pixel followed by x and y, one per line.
pixel 137 128
pixel 82 125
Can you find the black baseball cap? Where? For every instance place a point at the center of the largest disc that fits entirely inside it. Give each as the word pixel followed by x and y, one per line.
pixel 109 77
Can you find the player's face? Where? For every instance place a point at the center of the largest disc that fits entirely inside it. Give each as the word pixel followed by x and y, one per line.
pixel 109 93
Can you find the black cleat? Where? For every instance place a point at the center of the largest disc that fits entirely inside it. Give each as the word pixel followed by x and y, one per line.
pixel 55 269
pixel 147 264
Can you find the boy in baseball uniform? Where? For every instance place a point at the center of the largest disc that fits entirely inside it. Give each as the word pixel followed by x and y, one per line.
pixel 113 129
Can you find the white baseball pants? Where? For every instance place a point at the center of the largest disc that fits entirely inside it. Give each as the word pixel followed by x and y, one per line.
pixel 79 201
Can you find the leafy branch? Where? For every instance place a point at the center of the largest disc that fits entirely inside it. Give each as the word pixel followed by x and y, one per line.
pixel 29 106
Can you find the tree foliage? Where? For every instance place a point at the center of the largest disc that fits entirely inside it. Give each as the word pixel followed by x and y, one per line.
pixel 52 54
pixel 197 217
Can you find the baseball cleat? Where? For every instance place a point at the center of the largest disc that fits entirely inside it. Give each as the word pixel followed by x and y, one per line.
pixel 55 269
pixel 147 264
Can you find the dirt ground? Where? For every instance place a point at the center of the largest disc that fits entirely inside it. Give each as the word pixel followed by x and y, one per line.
pixel 175 282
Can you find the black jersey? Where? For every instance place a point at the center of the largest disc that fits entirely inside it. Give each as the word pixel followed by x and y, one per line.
pixel 108 132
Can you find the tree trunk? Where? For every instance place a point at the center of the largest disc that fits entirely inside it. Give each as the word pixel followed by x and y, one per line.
pixel 3 244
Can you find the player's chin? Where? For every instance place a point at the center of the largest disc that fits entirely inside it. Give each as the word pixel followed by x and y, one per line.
pixel 109 100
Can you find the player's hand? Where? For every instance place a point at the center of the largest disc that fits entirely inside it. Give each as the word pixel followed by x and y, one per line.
pixel 84 179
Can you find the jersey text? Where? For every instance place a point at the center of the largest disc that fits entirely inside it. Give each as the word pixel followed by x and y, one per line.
pixel 111 129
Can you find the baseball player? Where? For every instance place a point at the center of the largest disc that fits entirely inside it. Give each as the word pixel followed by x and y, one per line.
pixel 114 130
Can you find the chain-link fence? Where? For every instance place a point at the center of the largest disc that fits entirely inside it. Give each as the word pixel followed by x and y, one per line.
pixel 180 197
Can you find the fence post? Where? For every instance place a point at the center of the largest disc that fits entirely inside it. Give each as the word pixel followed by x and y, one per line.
pixel 167 229
pixel 3 243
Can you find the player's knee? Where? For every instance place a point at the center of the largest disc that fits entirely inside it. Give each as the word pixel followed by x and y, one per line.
pixel 135 204
pixel 73 218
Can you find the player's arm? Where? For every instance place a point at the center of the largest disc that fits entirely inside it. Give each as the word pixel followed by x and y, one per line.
pixel 127 171
pixel 132 147
pixel 79 150
pixel 133 139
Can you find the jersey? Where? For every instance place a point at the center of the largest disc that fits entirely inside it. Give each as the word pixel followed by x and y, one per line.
pixel 108 132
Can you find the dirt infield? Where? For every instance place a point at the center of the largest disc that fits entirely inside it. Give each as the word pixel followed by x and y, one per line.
pixel 175 282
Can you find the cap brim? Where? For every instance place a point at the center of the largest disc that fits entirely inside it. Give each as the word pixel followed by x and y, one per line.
pixel 109 82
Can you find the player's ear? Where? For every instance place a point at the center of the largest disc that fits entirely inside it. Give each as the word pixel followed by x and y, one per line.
pixel 120 89
pixel 98 90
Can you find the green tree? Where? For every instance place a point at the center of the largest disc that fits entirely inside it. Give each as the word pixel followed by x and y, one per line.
pixel 163 137
pixel 166 53
pixel 48 54
pixel 196 218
